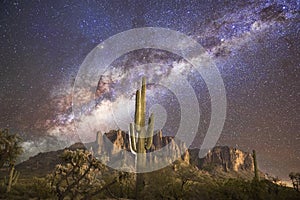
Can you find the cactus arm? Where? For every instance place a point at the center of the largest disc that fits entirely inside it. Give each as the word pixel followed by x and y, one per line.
pixel 132 138
pixel 150 131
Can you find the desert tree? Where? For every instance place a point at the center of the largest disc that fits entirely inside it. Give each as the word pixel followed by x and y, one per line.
pixel 295 177
pixel 81 176
pixel 10 149
pixel 190 181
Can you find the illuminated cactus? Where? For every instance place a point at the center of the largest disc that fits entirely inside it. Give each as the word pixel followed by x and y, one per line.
pixel 141 138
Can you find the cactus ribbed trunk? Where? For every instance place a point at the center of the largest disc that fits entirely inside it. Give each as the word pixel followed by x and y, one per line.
pixel 141 138
pixel 138 110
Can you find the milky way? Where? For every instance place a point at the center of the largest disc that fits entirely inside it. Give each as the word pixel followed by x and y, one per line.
pixel 254 44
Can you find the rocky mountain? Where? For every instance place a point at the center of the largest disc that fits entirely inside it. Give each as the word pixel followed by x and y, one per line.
pixel 44 163
pixel 224 161
pixel 224 158
pixel 111 144
pixel 219 159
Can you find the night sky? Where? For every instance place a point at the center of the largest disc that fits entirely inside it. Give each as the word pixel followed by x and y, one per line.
pixel 254 44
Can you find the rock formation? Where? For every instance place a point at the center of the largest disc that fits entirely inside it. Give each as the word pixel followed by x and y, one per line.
pixel 221 157
pixel 228 159
pixel 120 141
pixel 224 158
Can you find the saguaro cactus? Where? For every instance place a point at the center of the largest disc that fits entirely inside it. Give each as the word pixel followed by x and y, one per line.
pixel 13 178
pixel 141 138
pixel 256 177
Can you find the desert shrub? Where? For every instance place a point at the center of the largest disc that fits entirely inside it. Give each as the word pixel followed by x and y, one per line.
pixel 82 176
pixel 235 189
pixel 41 188
pixel 79 177
pixel 209 167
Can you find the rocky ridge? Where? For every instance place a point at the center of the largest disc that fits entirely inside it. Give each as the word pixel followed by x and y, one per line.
pixel 222 158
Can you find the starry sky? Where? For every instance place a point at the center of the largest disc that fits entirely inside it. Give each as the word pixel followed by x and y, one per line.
pixel 254 44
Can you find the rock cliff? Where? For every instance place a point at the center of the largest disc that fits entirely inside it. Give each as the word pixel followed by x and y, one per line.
pixel 220 157
pixel 120 141
pixel 227 159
